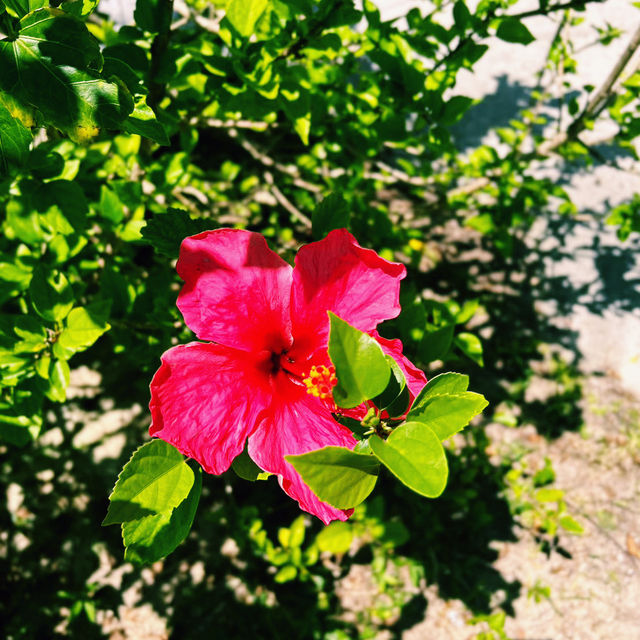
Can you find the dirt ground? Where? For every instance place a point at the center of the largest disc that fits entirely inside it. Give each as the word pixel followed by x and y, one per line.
pixel 594 582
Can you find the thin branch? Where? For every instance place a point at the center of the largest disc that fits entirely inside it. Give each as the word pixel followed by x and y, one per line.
pixel 266 160
pixel 208 24
pixel 285 202
pixel 543 11
pixel 603 93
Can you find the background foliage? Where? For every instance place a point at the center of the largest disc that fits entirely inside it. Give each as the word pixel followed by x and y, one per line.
pixel 289 118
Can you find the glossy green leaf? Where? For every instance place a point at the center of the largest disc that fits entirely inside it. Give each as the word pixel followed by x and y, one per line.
pixel 471 346
pixel 15 139
pixel 447 414
pixel 461 16
pixel 442 384
pixel 45 164
pixel 243 14
pixel 80 8
pixel 361 366
pixel 111 207
pixel 414 454
pixel 59 376
pixel 22 7
pixel 332 213
pixel 512 30
pixel 153 537
pixel 51 294
pixel 247 469
pixel 155 480
pixel 395 398
pixel 435 343
pixel 166 231
pixel 153 15
pixel 52 66
pixel 84 325
pixel 336 475
pixel 335 537
pixel 62 206
pixel 143 121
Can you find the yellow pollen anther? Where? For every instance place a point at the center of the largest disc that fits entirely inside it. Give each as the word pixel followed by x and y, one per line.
pixel 320 381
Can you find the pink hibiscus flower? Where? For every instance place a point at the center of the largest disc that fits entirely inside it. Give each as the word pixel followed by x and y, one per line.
pixel 260 376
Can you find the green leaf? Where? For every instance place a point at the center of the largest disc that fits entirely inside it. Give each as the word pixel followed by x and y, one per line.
pixel 461 16
pixel 84 325
pixel 467 312
pixel 52 66
pixel 362 369
pixel 286 574
pixel 80 8
pixel 454 109
pixel 247 469
pixel 395 398
pixel 153 537
pixel 332 213
pixel 62 206
pixel 471 346
pixel 111 207
pixel 571 525
pixel 155 480
pixel 549 495
pixel 414 454
pixel 335 537
pixel 447 414
pixel 143 122
pixel 336 475
pixel 243 14
pixel 441 385
pixel 45 164
pixel 435 343
pixel 58 381
pixel 166 231
pixel 22 7
pixel 153 15
pixel 15 139
pixel 512 30
pixel 296 532
pixel 51 294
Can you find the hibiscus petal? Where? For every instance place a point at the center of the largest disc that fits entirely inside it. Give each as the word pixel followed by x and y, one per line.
pixel 206 399
pixel 236 290
pixel 298 423
pixel 337 274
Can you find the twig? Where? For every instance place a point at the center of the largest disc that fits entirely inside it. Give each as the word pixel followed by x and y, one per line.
pixel 602 95
pixel 543 11
pixel 208 24
pixel 268 161
pixel 285 202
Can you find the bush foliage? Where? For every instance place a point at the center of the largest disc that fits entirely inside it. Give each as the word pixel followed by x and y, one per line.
pixel 288 118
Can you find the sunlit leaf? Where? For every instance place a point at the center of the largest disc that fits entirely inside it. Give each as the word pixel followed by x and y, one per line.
pixel 361 366
pixel 155 480
pixel 447 414
pixel 414 454
pixel 155 536
pixel 336 475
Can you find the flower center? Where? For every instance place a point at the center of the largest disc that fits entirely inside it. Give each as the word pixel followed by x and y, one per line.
pixel 321 381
